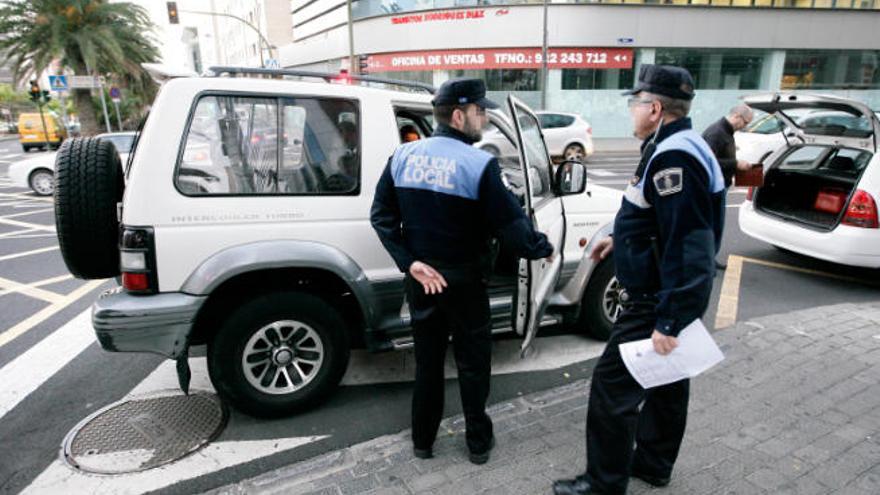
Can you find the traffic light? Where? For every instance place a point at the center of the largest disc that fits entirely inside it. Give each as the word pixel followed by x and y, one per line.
pixel 35 91
pixel 363 63
pixel 172 13
pixel 46 96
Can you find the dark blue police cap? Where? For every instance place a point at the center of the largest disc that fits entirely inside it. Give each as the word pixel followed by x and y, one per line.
pixel 666 80
pixel 462 91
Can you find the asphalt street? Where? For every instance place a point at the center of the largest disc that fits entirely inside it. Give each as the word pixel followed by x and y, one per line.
pixel 53 373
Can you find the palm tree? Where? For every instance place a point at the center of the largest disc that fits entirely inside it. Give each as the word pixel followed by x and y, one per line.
pixel 91 37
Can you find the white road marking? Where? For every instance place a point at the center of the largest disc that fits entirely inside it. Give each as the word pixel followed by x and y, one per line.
pixel 31 369
pixel 28 253
pixel 59 478
pixel 29 225
pixel 12 155
pixel 28 236
pixel 15 233
pixel 26 213
pixel 27 196
pixel 601 173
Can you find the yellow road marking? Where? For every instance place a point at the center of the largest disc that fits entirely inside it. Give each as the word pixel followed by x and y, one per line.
pixel 27 253
pixel 28 225
pixel 728 302
pixel 25 213
pixel 29 290
pixel 808 271
pixel 41 283
pixel 48 312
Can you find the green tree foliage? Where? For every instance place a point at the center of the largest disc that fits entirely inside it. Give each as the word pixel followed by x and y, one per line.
pixel 88 36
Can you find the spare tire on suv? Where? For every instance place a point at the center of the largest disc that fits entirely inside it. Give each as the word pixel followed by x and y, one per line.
pixel 88 185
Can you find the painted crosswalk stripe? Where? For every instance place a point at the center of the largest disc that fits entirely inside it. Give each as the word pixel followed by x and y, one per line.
pixel 601 173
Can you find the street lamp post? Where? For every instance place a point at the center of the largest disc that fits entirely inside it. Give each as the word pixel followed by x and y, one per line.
pixel 263 39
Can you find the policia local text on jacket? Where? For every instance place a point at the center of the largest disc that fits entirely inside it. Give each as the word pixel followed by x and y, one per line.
pixel 438 201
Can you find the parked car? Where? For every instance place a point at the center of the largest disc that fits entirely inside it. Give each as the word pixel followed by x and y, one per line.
pixel 568 137
pixel 768 132
pixel 38 173
pixel 820 190
pixel 33 134
pixel 273 265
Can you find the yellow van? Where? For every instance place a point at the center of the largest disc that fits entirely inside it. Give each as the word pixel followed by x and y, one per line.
pixel 31 134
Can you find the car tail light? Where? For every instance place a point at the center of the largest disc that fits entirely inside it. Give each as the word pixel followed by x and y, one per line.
pixel 137 260
pixel 751 194
pixel 589 131
pixel 861 211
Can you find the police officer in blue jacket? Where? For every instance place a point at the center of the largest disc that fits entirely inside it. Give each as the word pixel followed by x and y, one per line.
pixel 665 238
pixel 437 203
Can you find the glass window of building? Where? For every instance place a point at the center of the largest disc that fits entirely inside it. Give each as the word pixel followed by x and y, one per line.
pixel 505 79
pixel 832 69
pixel 717 68
pixel 597 78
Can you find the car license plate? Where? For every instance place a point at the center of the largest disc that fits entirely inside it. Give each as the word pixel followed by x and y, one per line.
pixel 30 136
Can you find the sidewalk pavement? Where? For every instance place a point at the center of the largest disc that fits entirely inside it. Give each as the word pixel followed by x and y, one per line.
pixel 793 409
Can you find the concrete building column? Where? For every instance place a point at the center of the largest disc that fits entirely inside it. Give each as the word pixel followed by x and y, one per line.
pixel 773 70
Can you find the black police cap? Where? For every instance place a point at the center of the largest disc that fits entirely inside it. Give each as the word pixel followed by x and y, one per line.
pixel 666 80
pixel 462 91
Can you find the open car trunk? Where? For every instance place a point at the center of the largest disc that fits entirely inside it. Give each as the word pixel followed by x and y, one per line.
pixel 812 185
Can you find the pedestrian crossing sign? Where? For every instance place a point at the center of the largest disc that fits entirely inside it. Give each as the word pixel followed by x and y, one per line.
pixel 58 83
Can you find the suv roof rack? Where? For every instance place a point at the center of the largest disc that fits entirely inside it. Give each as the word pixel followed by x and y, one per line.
pixel 326 76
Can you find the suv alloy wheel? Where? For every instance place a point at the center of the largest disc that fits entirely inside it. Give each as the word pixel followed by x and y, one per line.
pixel 279 353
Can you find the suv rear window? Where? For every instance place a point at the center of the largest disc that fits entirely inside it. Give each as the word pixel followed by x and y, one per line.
pixel 267 146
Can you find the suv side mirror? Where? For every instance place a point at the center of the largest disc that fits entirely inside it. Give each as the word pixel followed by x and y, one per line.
pixel 571 178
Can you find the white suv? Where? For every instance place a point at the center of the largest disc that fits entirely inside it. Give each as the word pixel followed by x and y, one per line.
pixel 243 224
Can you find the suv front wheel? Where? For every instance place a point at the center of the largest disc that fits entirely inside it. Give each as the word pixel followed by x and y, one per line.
pixel 279 353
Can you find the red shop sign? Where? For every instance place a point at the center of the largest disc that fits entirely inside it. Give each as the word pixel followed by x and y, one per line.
pixel 503 58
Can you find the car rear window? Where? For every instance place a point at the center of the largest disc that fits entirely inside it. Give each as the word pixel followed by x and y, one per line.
pixel 555 120
pixel 271 146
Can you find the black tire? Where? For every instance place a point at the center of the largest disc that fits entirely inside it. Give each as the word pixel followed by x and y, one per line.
pixel 35 181
pixel 88 184
pixel 25 148
pixel 595 318
pixel 240 334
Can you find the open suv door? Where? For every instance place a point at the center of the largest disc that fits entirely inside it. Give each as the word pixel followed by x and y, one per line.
pixel 544 187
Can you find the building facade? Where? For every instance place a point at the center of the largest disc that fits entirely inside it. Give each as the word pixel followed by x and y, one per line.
pixel 732 47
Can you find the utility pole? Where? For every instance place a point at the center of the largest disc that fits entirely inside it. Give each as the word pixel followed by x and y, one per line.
pixel 352 66
pixel 544 63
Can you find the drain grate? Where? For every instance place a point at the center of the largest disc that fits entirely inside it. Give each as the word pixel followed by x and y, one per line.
pixel 141 433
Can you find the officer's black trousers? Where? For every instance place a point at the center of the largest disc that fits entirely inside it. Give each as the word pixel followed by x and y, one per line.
pixel 462 309
pixel 614 421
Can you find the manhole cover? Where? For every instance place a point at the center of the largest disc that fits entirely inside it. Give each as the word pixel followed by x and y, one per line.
pixel 144 432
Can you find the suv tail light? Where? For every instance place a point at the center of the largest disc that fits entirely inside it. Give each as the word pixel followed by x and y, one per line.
pixel 137 260
pixel 861 211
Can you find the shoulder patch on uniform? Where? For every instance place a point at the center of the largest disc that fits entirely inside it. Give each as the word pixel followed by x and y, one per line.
pixel 668 181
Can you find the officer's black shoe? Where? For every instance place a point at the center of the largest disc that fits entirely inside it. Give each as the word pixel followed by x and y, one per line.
pixel 720 265
pixel 654 481
pixel 423 453
pixel 578 486
pixel 483 457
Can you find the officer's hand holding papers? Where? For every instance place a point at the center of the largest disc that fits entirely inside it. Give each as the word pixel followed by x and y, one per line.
pixel 696 352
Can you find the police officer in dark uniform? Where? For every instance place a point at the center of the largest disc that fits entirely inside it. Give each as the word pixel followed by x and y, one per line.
pixel 665 238
pixel 436 205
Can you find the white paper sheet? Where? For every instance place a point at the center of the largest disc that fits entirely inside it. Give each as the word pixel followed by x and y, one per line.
pixel 696 353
